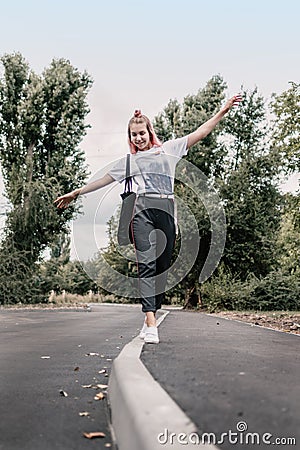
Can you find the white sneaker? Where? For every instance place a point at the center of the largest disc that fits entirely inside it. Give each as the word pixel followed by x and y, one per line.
pixel 143 331
pixel 151 335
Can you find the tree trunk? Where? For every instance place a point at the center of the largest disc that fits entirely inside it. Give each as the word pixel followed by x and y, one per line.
pixel 192 299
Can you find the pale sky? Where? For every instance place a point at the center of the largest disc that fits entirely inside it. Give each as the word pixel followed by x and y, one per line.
pixel 143 53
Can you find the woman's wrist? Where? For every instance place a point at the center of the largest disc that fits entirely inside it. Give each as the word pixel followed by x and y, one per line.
pixel 76 193
pixel 224 110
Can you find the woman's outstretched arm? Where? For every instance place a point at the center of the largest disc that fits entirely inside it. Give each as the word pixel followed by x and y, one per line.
pixel 64 200
pixel 210 124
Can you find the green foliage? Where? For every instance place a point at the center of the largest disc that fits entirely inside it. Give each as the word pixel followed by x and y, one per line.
pixel 41 126
pixel 18 281
pixel 60 274
pixel 286 108
pixel 288 239
pixel 248 187
pixel 76 279
pixel 224 291
pixel 277 291
pixel 71 277
pixel 260 267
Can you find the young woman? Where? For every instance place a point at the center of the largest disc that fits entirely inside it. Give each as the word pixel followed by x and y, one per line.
pixel 153 169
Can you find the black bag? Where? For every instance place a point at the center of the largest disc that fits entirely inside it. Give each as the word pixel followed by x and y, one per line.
pixel 125 236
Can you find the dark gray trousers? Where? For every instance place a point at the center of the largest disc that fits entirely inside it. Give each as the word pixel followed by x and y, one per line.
pixel 154 238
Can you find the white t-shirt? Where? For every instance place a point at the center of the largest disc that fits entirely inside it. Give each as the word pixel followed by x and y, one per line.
pixel 153 170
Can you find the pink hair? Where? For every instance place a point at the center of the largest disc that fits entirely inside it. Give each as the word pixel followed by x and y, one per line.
pixel 138 117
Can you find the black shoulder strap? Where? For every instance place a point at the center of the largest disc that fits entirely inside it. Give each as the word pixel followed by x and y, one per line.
pixel 128 178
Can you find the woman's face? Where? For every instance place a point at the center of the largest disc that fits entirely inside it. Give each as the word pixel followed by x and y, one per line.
pixel 139 136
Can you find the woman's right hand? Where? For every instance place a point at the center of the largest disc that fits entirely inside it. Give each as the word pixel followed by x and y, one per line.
pixel 65 200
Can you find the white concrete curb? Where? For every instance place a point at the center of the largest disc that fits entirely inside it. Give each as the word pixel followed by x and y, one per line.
pixel 141 410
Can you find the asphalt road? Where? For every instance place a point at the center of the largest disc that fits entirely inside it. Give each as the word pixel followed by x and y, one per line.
pixel 220 372
pixel 223 373
pixel 34 415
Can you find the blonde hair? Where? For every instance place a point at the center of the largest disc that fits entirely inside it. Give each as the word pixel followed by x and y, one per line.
pixel 137 118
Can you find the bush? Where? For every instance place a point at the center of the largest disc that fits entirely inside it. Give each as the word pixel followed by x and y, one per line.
pixel 277 291
pixel 18 282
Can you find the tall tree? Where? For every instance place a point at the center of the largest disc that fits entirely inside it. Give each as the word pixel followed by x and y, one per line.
pixel 42 121
pixel 286 108
pixel 286 145
pixel 249 190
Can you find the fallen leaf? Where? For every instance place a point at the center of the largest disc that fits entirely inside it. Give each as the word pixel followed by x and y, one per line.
pixel 102 386
pixel 99 396
pixel 94 434
pixel 86 385
pixel 84 414
pixel 63 393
